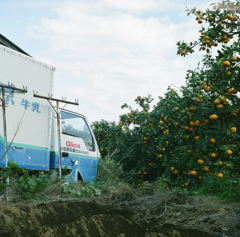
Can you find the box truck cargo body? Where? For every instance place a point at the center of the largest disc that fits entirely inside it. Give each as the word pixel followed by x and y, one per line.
pixel 35 146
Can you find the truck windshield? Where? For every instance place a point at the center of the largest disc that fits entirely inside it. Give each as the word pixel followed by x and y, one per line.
pixel 76 126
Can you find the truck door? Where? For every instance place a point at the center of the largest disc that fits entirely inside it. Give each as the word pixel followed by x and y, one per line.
pixel 78 143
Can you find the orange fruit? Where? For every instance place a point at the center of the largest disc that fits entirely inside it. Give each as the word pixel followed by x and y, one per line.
pixel 206 169
pixel 200 161
pixel 216 102
pixel 226 64
pixel 234 58
pixel 175 172
pixel 211 18
pixel 220 106
pixel 234 115
pixel 186 127
pixel 229 152
pixel 183 52
pixel 197 123
pixel 223 98
pixel 197 100
pixel 233 129
pixel 172 168
pixel 213 141
pixel 213 116
pixel 200 177
pixel 196 138
pixel 207 89
pixel 207 42
pixel 200 21
pixel 219 175
pixel 234 91
pixel 210 173
pixel 219 40
pixel 194 173
pixel 189 174
pixel 191 123
pixel 213 155
pixel 221 164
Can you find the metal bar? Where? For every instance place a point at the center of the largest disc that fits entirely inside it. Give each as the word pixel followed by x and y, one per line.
pixel 5 130
pixel 13 88
pixel 62 108
pixel 49 98
pixel 52 106
pixel 4 126
pixel 59 142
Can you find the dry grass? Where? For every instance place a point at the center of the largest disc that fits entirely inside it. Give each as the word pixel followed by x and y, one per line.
pixel 159 207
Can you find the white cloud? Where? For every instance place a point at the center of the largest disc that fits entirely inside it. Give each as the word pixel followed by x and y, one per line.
pixel 29 4
pixel 110 55
pixel 77 74
pixel 139 6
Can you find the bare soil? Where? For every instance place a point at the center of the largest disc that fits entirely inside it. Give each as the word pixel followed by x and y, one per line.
pixel 146 212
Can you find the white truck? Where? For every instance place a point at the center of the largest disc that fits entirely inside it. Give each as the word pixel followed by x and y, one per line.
pixel 35 145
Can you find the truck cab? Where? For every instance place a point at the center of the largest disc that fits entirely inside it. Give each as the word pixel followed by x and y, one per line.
pixel 78 146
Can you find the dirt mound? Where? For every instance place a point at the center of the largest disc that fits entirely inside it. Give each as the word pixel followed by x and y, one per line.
pixel 77 219
pixel 64 218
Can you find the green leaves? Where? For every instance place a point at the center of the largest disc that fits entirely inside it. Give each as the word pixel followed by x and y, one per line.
pixel 89 188
pixel 13 165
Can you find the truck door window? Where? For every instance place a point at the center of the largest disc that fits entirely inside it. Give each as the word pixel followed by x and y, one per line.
pixel 76 126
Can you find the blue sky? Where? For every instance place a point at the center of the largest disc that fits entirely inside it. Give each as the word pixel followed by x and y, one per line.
pixel 107 52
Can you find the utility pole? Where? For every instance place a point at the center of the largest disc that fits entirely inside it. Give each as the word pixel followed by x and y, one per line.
pixel 58 112
pixel 3 87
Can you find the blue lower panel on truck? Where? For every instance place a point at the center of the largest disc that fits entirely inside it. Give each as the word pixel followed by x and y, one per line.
pixel 86 165
pixel 29 157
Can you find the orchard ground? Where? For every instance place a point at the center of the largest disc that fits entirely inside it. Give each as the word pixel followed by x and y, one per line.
pixel 146 211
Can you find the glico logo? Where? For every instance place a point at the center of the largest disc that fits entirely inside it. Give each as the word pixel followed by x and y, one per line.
pixel 71 144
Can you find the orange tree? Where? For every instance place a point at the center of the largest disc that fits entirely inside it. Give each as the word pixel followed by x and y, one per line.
pixel 218 127
pixel 193 137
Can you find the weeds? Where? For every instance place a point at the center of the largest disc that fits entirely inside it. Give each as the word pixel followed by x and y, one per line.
pixel 26 185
